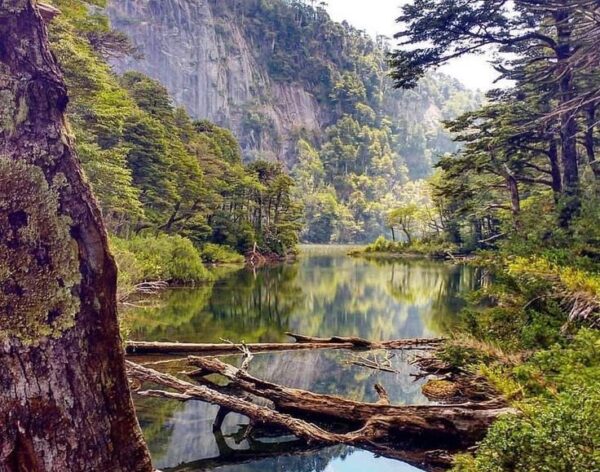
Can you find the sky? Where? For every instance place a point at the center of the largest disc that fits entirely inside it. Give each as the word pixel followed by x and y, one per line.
pixel 377 17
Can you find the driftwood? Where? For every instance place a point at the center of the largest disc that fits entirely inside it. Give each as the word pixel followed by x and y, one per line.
pixel 466 421
pixel 404 432
pixel 374 362
pixel 302 343
pixel 143 289
pixel 384 429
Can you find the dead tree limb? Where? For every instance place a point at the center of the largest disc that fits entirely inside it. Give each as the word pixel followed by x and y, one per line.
pixel 381 433
pixel 384 398
pixel 374 363
pixel 464 420
pixel 303 342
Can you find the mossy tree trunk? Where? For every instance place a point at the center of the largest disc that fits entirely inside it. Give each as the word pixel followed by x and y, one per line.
pixel 64 398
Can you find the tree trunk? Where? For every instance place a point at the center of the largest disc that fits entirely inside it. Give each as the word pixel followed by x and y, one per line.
pixel 590 115
pixel 139 348
pixel 569 128
pixel 407 234
pixel 515 199
pixel 555 168
pixel 64 396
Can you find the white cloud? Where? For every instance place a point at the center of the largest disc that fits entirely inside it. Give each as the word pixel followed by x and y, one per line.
pixel 378 17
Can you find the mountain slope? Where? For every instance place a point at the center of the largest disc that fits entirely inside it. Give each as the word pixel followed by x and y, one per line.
pixel 287 80
pixel 267 69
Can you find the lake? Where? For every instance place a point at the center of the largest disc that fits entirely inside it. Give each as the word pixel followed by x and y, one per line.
pixel 324 293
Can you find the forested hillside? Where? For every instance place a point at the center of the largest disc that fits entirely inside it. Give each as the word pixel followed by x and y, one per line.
pixel 155 170
pixel 297 88
pixel 523 195
pixel 160 161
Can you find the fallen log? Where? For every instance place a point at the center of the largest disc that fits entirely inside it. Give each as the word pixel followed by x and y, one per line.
pixel 464 422
pixel 355 341
pixel 302 342
pixel 378 434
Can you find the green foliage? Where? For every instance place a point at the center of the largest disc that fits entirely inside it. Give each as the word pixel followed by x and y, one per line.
pixel 167 258
pixel 373 138
pixel 462 356
pixel 558 436
pixel 558 428
pixel 430 248
pixel 155 169
pixel 217 254
pixel 563 365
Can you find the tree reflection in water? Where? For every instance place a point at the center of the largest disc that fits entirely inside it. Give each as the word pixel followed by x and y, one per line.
pixel 326 293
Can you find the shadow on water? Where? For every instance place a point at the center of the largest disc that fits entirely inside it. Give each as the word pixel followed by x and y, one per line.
pixel 325 293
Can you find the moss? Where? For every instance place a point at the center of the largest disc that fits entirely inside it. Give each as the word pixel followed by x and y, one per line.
pixel 7 111
pixel 15 6
pixel 39 279
pixel 440 389
pixel 22 112
pixel 12 114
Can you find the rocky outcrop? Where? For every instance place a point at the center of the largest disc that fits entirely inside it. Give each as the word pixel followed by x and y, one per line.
pixel 270 78
pixel 209 67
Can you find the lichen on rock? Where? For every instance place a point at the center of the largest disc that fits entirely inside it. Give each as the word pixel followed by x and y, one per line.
pixel 39 263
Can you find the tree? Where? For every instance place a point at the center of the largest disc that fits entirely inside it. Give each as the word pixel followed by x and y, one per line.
pixel 404 217
pixel 453 28
pixel 64 397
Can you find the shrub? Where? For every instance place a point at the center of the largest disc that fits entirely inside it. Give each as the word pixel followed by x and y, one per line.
pixel 563 366
pixel 164 257
pixel 131 271
pixel 381 244
pixel 558 436
pixel 433 248
pixel 218 254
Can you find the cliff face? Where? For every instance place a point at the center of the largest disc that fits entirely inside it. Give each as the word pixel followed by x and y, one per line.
pixel 274 71
pixel 210 68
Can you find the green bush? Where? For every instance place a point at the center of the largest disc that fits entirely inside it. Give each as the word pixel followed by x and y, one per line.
pixel 381 244
pixel 218 254
pixel 558 436
pixel 433 248
pixel 575 362
pixel 170 258
pixel 131 271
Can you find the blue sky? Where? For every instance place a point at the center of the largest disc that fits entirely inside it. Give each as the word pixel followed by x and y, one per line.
pixel 377 17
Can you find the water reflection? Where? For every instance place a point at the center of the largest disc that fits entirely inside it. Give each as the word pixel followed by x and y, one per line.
pixel 325 293
pixel 185 433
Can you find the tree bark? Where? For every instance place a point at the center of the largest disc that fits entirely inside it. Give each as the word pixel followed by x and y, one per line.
pixel 569 129
pixel 590 115
pixel 555 168
pixel 64 396
pixel 515 199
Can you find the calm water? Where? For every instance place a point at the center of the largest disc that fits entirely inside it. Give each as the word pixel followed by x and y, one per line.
pixel 325 293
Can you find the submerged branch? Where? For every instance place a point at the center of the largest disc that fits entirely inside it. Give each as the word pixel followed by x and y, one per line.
pixel 379 427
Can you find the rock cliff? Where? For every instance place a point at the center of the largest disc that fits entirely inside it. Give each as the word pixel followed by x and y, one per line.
pixel 209 68
pixel 271 70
